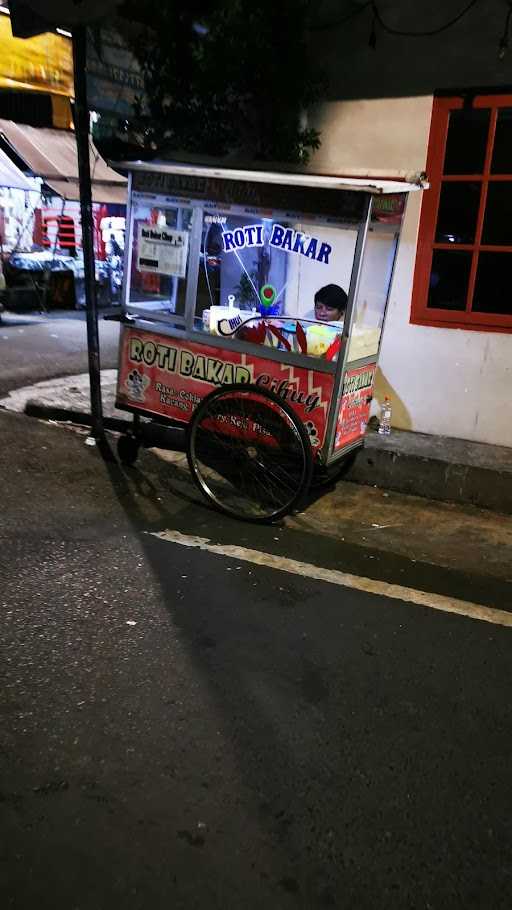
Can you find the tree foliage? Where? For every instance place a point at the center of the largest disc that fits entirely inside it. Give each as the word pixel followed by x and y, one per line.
pixel 227 77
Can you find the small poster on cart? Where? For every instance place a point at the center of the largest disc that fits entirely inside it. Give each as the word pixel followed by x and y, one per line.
pixel 162 250
pixel 355 405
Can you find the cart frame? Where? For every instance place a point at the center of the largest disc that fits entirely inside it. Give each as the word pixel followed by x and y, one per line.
pixel 145 178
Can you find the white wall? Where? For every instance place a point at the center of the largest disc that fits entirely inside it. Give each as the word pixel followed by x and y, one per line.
pixel 442 381
pixel 381 138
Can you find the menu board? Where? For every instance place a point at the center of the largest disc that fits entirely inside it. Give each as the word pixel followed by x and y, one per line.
pixel 162 250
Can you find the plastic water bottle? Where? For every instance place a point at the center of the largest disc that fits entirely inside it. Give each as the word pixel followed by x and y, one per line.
pixel 385 418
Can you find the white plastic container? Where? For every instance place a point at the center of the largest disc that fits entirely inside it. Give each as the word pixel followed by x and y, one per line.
pixel 231 313
pixel 222 313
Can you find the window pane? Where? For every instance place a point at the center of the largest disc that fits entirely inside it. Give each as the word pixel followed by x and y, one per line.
pixel 498 223
pixel 458 211
pixel 372 295
pixel 493 288
pixel 274 279
pixel 449 280
pixel 502 153
pixel 466 142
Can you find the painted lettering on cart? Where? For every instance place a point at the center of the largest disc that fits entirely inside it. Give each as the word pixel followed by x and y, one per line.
pixel 181 399
pixel 250 235
pixel 297 242
pixel 211 370
pixel 150 353
pixel 358 381
pixel 281 238
pixel 186 363
pixel 285 390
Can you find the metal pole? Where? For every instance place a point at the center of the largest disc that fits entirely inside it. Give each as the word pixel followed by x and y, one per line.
pixel 84 177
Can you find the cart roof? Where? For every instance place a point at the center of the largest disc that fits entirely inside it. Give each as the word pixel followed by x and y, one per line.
pixel 318 181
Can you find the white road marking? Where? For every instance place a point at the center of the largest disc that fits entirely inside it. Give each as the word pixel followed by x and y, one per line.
pixel 335 577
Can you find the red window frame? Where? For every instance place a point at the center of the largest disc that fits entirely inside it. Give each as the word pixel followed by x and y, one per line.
pixel 456 319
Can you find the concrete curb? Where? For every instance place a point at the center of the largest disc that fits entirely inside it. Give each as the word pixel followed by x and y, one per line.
pixel 151 434
pixel 437 468
pixel 45 412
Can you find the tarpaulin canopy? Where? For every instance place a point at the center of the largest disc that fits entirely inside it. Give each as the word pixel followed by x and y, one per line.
pixel 12 177
pixel 51 154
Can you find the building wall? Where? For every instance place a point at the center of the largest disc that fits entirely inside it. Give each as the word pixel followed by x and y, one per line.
pixel 380 137
pixel 441 381
pixel 466 54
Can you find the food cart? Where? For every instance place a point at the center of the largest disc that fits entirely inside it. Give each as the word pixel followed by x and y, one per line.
pixel 253 310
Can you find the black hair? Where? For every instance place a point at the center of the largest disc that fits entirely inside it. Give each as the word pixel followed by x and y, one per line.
pixel 333 297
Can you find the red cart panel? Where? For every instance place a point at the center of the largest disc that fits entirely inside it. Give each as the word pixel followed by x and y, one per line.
pixel 166 376
pixel 355 405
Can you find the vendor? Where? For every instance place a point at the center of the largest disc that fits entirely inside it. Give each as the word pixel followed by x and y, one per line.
pixel 330 305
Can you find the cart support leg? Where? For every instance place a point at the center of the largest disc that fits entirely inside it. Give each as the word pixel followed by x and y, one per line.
pixel 84 176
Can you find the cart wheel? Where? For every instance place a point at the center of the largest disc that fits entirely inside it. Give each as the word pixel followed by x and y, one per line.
pixel 249 453
pixel 127 449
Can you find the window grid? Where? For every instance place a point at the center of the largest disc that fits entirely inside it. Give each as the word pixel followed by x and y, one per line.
pixel 420 312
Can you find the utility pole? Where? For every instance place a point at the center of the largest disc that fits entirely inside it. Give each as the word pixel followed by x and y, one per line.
pixel 28 19
pixel 84 176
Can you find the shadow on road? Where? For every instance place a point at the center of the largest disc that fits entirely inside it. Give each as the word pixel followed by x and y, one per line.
pixel 237 640
pixel 350 721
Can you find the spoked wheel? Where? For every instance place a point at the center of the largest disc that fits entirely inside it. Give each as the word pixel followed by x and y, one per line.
pixel 249 453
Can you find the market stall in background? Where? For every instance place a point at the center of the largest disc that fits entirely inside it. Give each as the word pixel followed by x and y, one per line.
pixel 40 226
pixel 272 283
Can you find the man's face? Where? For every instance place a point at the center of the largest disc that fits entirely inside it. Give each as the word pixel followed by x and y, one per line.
pixel 325 313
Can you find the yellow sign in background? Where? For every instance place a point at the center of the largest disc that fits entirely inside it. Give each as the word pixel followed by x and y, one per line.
pixel 43 63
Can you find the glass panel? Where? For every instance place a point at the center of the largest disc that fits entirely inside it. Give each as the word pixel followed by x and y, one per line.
pixel 374 282
pixel 493 288
pixel 449 279
pixel 502 152
pixel 458 211
pixel 161 235
pixel 498 222
pixel 274 280
pixel 466 142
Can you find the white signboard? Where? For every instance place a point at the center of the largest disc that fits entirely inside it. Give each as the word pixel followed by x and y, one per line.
pixel 162 250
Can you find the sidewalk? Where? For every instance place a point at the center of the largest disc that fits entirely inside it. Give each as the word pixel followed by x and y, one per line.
pixel 433 467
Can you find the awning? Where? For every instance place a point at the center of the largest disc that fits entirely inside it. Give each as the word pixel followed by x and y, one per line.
pixel 320 181
pixel 51 154
pixel 12 177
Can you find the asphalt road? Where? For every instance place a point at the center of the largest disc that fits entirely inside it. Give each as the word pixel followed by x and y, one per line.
pixel 183 729
pixel 34 347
